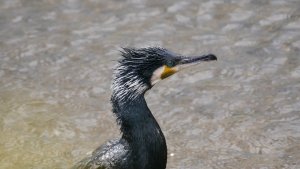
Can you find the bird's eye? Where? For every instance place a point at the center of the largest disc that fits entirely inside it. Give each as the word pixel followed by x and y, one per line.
pixel 170 63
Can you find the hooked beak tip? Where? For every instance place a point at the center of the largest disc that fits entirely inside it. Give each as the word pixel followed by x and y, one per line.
pixel 211 57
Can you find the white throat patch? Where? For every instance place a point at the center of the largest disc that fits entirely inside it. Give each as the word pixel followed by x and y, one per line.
pixel 156 76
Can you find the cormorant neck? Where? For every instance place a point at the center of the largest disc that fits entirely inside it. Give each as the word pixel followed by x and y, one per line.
pixel 140 129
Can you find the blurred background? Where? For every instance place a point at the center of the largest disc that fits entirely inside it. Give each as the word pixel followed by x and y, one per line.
pixel 56 61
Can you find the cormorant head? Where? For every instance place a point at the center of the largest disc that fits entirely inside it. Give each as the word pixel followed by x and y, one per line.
pixel 140 69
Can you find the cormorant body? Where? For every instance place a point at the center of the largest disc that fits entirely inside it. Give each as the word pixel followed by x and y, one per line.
pixel 142 144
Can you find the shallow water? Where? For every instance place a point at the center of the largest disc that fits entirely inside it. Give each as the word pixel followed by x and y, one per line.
pixel 56 60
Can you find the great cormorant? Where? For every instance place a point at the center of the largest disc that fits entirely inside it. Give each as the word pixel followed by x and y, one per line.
pixel 142 144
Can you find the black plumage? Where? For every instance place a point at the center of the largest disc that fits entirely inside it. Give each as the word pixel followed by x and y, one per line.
pixel 142 144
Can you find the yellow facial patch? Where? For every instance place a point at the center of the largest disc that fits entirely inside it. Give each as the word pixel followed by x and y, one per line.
pixel 168 71
pixel 162 73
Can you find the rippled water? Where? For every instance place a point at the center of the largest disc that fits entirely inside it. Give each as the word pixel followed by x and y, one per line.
pixel 56 60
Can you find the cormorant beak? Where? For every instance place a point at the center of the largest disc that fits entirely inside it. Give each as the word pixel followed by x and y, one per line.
pixel 188 61
pixel 165 71
pixel 196 59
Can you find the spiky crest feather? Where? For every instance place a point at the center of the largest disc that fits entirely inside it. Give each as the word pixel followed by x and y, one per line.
pixel 127 80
